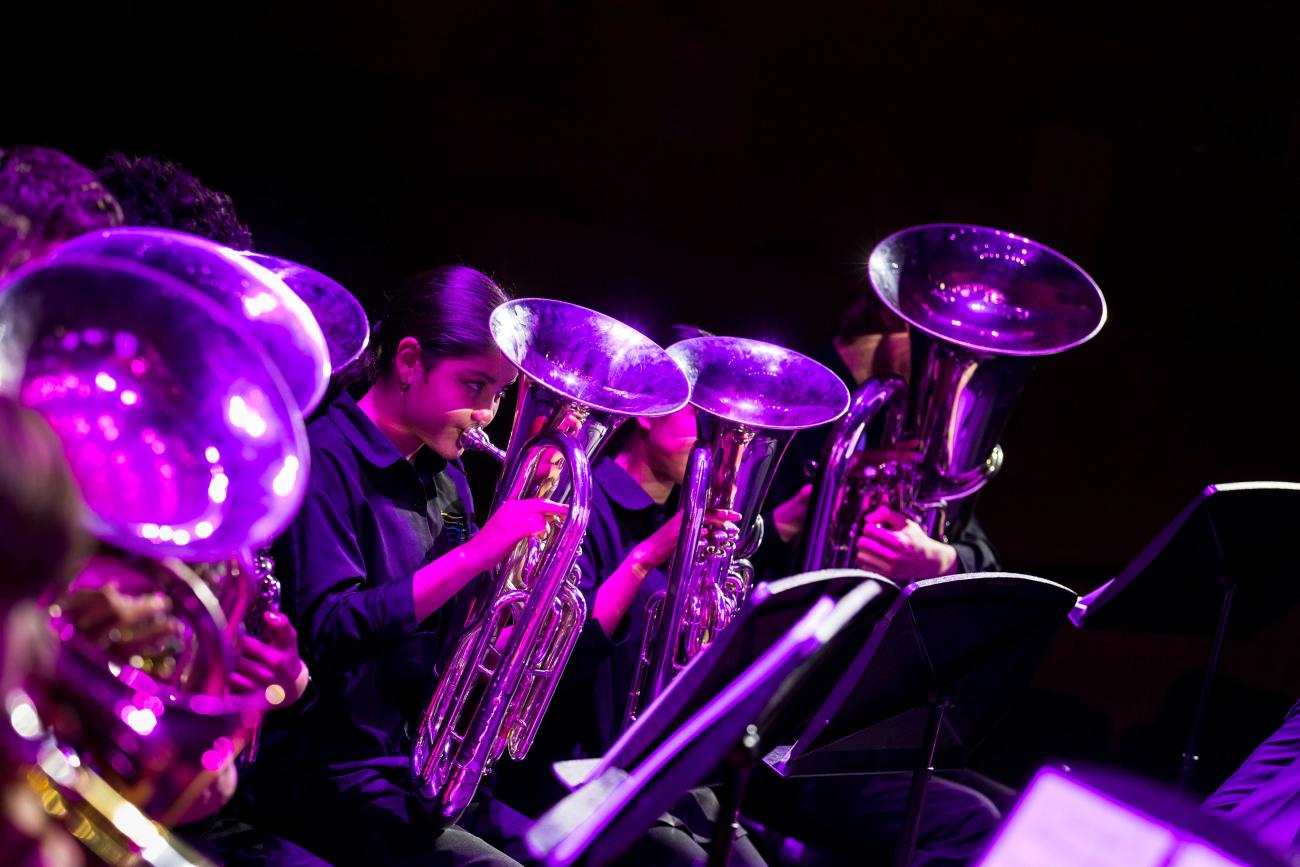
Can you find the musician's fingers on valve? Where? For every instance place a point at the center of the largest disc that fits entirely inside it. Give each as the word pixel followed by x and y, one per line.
pixel 725 519
pixel 886 518
pixel 514 520
pixel 127 623
pixel 271 666
pixel 720 527
pixel 895 546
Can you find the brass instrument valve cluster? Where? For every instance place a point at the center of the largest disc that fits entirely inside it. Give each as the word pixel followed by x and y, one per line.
pixel 718 542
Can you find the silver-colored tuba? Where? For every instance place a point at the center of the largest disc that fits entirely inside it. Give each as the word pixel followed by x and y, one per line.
pixel 984 302
pixel 186 444
pixel 583 373
pixel 752 397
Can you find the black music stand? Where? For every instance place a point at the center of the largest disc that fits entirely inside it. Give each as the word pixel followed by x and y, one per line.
pixel 714 714
pixel 1185 581
pixel 945 670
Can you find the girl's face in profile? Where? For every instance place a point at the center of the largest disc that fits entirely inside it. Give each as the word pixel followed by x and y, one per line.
pixel 669 441
pixel 448 395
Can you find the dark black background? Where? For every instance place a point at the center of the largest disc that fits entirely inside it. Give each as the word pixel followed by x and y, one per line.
pixel 732 165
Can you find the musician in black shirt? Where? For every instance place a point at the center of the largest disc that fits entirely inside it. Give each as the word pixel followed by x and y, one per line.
pixel 371 567
pixel 631 535
pixel 871 341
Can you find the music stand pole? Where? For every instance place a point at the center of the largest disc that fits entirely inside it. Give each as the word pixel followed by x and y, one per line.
pixel 1191 752
pixel 921 777
pixel 738 764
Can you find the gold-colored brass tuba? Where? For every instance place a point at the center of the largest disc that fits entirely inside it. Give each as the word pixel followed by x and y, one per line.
pixel 982 303
pixel 751 398
pixel 583 373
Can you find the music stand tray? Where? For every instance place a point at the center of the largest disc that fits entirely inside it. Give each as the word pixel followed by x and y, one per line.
pixel 719 703
pixel 1230 537
pixel 965 643
pixel 1229 534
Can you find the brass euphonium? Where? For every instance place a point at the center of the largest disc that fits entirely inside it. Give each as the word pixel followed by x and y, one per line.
pixel 982 303
pixel 583 373
pixel 751 398
pixel 186 444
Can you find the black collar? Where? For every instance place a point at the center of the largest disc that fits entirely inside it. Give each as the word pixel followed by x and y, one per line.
pixel 624 490
pixel 370 442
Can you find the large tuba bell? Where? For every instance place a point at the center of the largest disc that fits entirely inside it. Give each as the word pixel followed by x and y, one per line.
pixel 583 373
pixel 752 398
pixel 983 302
pixel 187 444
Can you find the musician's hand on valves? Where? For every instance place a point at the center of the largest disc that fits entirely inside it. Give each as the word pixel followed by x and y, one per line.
pixel 659 545
pixel 895 546
pixel 271 666
pixel 616 594
pixel 512 521
pixel 123 623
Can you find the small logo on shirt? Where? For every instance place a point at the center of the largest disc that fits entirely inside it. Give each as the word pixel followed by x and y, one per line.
pixel 455 527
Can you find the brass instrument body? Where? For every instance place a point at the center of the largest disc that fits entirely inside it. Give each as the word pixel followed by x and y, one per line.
pixel 982 304
pixel 730 468
pixel 187 444
pixel 93 811
pixel 751 398
pixel 582 373
pixel 491 697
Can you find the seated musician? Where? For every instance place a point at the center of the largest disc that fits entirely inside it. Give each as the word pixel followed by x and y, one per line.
pixel 380 547
pixel 47 198
pixel 871 341
pixel 847 819
pixel 630 538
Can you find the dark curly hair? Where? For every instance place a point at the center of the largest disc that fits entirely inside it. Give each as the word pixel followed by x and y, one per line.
pixel 158 192
pixel 46 197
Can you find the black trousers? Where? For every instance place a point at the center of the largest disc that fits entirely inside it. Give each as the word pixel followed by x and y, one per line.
pixel 372 822
pixel 677 839
pixel 231 841
pixel 858 819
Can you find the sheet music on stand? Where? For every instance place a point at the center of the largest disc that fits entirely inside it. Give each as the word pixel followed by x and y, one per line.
pixel 726 698
pixel 1094 817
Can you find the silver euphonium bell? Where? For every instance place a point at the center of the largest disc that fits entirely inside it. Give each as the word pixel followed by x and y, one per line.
pixel 187 445
pixel 982 303
pixel 582 374
pixel 307 325
pixel 345 334
pixel 751 398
